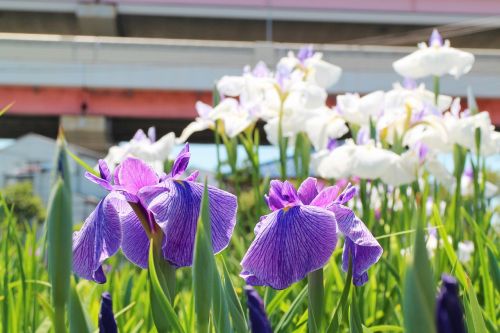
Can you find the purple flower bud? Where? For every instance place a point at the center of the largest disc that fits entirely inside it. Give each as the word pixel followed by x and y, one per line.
pixel 258 318
pixel 435 39
pixel 409 83
pixel 449 313
pixel 107 323
pixel 305 53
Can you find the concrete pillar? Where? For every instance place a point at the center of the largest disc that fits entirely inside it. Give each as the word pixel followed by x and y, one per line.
pixel 97 19
pixel 87 131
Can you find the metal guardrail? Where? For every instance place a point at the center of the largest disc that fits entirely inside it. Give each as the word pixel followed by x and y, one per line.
pixel 145 63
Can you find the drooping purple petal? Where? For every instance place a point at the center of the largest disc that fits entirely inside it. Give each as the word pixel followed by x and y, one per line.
pixel 181 162
pixel 98 239
pixel 176 207
pixel 107 322
pixel 259 323
pixel 133 174
pixel 135 241
pixel 359 242
pixel 289 245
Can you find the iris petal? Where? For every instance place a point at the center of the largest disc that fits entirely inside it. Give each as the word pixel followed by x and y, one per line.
pixel 98 239
pixel 176 206
pixel 308 190
pixel 364 248
pixel 133 174
pixel 325 197
pixel 289 245
pixel 135 241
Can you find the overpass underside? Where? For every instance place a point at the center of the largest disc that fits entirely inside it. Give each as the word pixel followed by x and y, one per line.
pixel 103 70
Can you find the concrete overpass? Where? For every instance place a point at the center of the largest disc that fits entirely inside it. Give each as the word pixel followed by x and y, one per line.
pixel 103 87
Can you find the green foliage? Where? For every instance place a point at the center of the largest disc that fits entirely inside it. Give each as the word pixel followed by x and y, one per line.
pixel 28 207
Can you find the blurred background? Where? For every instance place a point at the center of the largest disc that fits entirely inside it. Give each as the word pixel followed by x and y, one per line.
pixel 104 68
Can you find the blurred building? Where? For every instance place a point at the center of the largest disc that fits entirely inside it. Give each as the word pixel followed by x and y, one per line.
pixel 103 68
pixel 31 158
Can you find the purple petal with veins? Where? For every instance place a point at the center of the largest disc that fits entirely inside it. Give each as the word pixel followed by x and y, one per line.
pixel 308 190
pixel 133 174
pixel 175 206
pixel 289 245
pixel 98 239
pixel 359 243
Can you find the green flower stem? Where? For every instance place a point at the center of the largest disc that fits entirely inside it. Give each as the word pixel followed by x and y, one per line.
pixel 282 142
pixel 316 300
pixel 217 150
pixel 436 89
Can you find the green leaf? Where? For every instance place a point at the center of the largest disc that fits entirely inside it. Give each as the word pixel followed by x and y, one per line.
pixel 77 318
pixel 475 310
pixel 494 269
pixel 452 257
pixel 5 109
pixel 315 305
pixel 235 308
pixel 59 249
pixel 164 316
pixel 203 267
pixel 288 316
pixel 82 163
pixel 419 290
pixel 220 306
pixel 341 308
pixel 355 322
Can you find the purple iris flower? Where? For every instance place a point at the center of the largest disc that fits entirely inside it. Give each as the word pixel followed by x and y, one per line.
pixel 107 322
pixel 300 234
pixel 141 203
pixel 449 313
pixel 259 323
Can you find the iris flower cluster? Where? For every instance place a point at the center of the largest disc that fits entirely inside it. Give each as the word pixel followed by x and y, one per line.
pixel 142 202
pixel 297 237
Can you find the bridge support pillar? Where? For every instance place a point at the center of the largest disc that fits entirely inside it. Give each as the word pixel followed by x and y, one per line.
pixel 87 131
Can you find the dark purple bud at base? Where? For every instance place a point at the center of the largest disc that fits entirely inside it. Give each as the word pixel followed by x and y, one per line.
pixel 449 312
pixel 258 318
pixel 107 323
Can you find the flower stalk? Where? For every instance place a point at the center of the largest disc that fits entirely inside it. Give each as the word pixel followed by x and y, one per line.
pixel 316 300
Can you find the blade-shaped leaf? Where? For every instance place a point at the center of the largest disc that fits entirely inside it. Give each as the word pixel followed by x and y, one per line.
pixel 77 318
pixel 203 267
pixel 419 298
pixel 164 316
